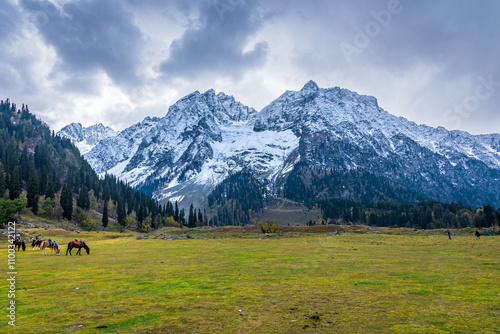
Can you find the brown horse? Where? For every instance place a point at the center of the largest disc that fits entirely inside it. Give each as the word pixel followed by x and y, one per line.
pixel 36 243
pixel 77 244
pixel 52 245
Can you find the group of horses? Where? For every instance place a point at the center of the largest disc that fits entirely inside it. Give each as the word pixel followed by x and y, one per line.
pixel 53 245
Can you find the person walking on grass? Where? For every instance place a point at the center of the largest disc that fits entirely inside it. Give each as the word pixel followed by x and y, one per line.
pixel 449 234
pixel 478 235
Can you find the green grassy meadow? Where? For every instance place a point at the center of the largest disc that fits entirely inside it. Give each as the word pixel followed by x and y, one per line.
pixel 352 283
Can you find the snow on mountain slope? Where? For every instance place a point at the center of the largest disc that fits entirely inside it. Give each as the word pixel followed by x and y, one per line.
pixel 86 138
pixel 205 137
pixel 113 154
pixel 313 109
pixel 174 146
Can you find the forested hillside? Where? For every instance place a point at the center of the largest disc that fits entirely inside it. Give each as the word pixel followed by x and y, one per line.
pixel 351 197
pixel 425 215
pixel 236 200
pixel 47 174
pixel 306 184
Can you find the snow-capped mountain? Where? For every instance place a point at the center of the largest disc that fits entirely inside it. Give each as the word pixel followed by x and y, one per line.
pixel 86 138
pixel 206 137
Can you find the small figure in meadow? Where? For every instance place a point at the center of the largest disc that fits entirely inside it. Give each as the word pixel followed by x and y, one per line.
pixel 449 235
pixel 478 235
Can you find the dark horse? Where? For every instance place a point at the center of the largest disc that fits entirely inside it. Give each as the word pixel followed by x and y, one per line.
pixel 77 244
pixel 18 242
pixel 36 242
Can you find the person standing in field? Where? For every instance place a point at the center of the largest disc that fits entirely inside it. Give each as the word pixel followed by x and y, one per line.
pixel 449 235
pixel 478 235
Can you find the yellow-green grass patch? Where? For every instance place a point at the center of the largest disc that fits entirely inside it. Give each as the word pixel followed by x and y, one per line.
pixel 353 283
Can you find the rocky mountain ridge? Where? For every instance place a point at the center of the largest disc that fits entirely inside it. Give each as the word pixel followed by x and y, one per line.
pixel 206 137
pixel 85 138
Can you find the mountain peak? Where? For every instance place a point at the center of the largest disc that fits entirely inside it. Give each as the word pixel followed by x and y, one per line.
pixel 86 137
pixel 211 91
pixel 310 85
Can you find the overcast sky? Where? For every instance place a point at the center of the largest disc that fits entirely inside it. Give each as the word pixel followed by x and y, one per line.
pixel 118 61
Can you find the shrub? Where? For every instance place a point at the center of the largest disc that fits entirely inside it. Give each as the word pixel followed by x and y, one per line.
pixel 268 227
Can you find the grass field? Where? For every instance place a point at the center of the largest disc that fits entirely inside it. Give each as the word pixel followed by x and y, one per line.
pixel 352 283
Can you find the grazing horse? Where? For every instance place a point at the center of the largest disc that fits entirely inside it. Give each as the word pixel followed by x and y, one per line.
pixel 18 242
pixel 77 244
pixel 36 243
pixel 50 244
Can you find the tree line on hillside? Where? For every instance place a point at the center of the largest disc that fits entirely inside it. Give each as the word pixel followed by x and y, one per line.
pixel 236 200
pixel 47 174
pixel 233 202
pixel 306 184
pixel 424 215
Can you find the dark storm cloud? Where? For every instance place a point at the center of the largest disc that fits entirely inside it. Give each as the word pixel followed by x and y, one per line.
pixel 459 39
pixel 91 35
pixel 459 35
pixel 453 44
pixel 215 43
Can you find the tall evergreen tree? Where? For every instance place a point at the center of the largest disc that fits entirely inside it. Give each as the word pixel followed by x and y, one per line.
pixel 182 217
pixel 200 216
pixel 66 203
pixel 191 217
pixel 32 196
pixel 2 183
pixel 122 215
pixel 50 191
pixel 105 214
pixel 106 193
pixel 141 214
pixel 25 165
pixel 489 215
pixel 83 200
pixel 176 212
pixel 16 183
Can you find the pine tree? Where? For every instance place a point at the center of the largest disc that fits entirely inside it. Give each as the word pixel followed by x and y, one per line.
pixel 66 203
pixel 50 191
pixel 141 214
pixel 489 215
pixel 2 183
pixel 176 212
pixel 105 214
pixel 121 212
pixel 25 165
pixel 200 216
pixel 16 183
pixel 106 193
pixel 182 217
pixel 191 217
pixel 83 200
pixel 33 191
